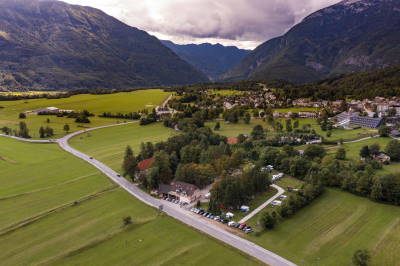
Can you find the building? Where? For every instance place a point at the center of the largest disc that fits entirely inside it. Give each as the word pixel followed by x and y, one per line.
pixel 306 114
pixel 233 140
pixel 164 111
pixel 347 118
pixel 382 158
pixel 181 191
pixel 363 121
pixel 144 165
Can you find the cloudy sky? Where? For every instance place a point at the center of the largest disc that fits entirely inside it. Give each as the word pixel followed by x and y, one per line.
pixel 244 23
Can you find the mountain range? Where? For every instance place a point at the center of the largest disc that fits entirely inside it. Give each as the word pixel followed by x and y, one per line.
pixel 212 59
pixel 50 45
pixel 351 36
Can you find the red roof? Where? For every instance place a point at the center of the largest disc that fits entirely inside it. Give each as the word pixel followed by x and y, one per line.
pixel 145 164
pixel 232 141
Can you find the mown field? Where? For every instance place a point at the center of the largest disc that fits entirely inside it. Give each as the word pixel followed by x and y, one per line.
pixel 58 210
pixel 97 104
pixel 328 231
pixel 108 145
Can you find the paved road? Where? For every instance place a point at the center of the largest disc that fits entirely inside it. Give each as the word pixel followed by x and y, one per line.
pixel 182 215
pixel 265 204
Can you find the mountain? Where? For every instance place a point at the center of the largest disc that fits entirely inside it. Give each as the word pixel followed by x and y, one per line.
pixel 351 36
pixel 213 60
pixel 50 44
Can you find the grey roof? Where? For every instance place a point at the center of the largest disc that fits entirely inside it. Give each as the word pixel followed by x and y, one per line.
pixel 364 121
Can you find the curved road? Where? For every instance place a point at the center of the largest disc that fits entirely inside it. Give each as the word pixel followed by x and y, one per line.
pixel 184 216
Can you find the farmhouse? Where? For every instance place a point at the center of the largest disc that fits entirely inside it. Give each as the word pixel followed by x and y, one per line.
pixel 144 165
pixel 382 158
pixel 181 191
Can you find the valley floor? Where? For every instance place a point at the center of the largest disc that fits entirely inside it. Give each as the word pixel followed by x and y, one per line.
pixel 58 210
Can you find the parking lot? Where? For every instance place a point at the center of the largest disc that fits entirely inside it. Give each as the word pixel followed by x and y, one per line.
pixel 223 219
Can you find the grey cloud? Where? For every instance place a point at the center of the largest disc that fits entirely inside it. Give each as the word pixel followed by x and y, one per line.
pixel 240 20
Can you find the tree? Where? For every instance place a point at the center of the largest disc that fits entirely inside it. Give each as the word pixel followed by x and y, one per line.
pixel 364 152
pixel 341 154
pixel 129 164
pixel 217 126
pixel 42 133
pixel 393 150
pixel 22 115
pixel 66 128
pixel 48 120
pixel 289 127
pixel 247 118
pixel 361 257
pixel 392 112
pixel 314 151
pixel 296 124
pixel 329 134
pixel 377 190
pixel 384 131
pixel 241 138
pixel 258 133
pixel 23 131
pixel 268 221
pixel 127 220
pixel 374 149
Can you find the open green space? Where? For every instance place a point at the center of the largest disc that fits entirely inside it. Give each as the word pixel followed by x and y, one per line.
pixel 59 210
pixel 125 102
pixel 233 130
pixel 108 145
pixel 332 228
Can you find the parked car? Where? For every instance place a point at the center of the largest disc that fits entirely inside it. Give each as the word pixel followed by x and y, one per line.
pixel 232 224
pixel 282 197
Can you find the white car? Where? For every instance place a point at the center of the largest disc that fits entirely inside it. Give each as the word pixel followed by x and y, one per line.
pixel 232 224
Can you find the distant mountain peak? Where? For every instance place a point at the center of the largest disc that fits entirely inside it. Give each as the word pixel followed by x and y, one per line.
pixel 212 59
pixel 54 45
pixel 350 36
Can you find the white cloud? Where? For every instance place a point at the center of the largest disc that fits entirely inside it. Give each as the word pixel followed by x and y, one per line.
pixel 245 23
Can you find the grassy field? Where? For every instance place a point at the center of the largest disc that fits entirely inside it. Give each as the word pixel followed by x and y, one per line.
pixel 108 145
pixel 353 153
pixel 329 231
pixel 233 130
pixel 97 104
pixel 58 210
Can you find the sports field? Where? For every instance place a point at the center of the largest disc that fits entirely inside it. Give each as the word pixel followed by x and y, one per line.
pixel 335 225
pixel 119 102
pixel 108 145
pixel 58 210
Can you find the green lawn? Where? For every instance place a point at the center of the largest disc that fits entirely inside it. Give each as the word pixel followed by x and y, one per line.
pixel 58 210
pixel 108 145
pixel 119 102
pixel 335 225
pixel 256 202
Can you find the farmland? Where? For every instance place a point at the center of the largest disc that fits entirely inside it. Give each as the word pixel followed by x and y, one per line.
pixel 329 231
pixel 97 104
pixel 58 210
pixel 108 145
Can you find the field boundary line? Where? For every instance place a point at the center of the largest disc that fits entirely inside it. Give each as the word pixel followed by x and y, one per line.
pixel 46 188
pixel 28 221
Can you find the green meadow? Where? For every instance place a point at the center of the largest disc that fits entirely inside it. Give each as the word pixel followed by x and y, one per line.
pixel 59 210
pixel 233 130
pixel 125 102
pixel 332 228
pixel 108 144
